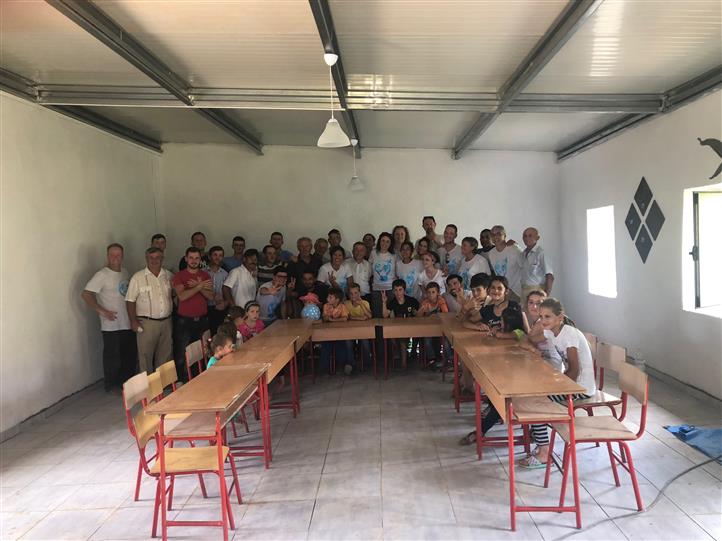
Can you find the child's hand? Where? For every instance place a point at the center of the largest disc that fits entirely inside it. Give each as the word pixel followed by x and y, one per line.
pixel 383 296
pixel 291 284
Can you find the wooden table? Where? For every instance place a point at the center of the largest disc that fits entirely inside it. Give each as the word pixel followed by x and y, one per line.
pixel 409 327
pixel 302 328
pixel 520 379
pixel 346 330
pixel 222 392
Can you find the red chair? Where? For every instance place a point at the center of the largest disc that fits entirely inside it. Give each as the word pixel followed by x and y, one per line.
pixel 607 429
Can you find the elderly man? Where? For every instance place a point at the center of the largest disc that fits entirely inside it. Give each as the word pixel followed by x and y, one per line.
pixel 304 261
pixel 149 303
pixel 537 270
pixel 105 293
pixel 241 284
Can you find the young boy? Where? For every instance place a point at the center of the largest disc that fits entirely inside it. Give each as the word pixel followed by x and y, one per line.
pixel 433 303
pixel 334 310
pixel 479 298
pixel 359 310
pixel 400 305
pixel 221 345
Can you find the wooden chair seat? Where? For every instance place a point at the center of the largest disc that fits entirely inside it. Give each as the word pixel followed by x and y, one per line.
pixel 605 428
pixel 538 409
pixel 599 398
pixel 192 459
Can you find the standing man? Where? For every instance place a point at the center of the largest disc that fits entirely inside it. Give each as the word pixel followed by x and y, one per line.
pixel 485 244
pixel 450 253
pixel 277 242
pixel 435 241
pixel 105 293
pixel 236 260
pixel 217 308
pixel 198 240
pixel 304 261
pixel 149 305
pixel 159 241
pixel 506 260
pixel 537 271
pixel 194 288
pixel 334 239
pixel 240 286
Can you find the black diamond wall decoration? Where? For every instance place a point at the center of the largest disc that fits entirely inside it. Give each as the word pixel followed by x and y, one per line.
pixel 655 219
pixel 633 221
pixel 643 244
pixel 643 196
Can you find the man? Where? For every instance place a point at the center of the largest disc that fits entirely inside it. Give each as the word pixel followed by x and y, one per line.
pixel 308 284
pixel 217 308
pixel 277 242
pixel 149 305
pixel 506 260
pixel 240 286
pixel 320 250
pixel 485 242
pixel 198 240
pixel 450 252
pixel 334 239
pixel 304 261
pixel 272 297
pixel 268 265
pixel 159 241
pixel 536 271
pixel 194 288
pixel 471 263
pixel 236 260
pixel 105 293
pixel 435 241
pixel 360 270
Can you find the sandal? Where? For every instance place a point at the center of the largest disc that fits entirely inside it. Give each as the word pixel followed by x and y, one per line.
pixel 532 462
pixel 469 439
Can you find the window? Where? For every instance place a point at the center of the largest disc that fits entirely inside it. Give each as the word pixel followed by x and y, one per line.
pixel 706 254
pixel 601 257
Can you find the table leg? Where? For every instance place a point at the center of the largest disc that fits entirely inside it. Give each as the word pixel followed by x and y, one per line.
pixel 313 362
pixel 295 395
pixel 456 390
pixel 386 359
pixel 373 354
pixel 512 487
pixel 264 411
pixel 573 452
pixel 479 437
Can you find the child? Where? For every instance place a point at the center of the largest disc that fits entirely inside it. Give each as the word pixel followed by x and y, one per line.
pixel 572 346
pixel 221 345
pixel 359 310
pixel 233 321
pixel 433 303
pixel 408 269
pixel 251 325
pixel 311 308
pixel 422 247
pixel 479 298
pixel 536 330
pixel 513 325
pixel 430 273
pixel 491 313
pixel 400 305
pixel 369 241
pixel 335 310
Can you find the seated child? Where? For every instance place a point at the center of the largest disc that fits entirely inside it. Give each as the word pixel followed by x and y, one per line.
pixel 221 345
pixel 335 310
pixel 513 324
pixel 359 310
pixel 251 324
pixel 400 305
pixel 433 303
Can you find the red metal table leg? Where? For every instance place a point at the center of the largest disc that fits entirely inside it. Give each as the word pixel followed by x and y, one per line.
pixel 477 400
pixel 456 390
pixel 512 487
pixel 573 451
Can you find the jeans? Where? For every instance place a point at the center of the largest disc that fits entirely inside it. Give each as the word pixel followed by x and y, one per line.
pixel 120 357
pixel 188 329
pixel 344 354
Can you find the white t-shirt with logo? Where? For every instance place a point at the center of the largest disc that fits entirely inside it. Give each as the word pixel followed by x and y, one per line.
pixel 110 288
pixel 423 280
pixel 383 266
pixel 341 275
pixel 571 337
pixel 452 259
pixel 409 273
pixel 508 263
pixel 467 269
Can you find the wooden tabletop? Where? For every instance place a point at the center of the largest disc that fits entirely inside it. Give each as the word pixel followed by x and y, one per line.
pixel 214 390
pixel 344 330
pixel 276 351
pixel 411 327
pixel 301 328
pixel 478 343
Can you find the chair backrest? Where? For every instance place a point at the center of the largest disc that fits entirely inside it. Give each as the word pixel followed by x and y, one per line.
pixel 206 343
pixel 135 390
pixel 635 383
pixel 142 426
pixel 168 374
pixel 593 343
pixel 610 357
pixel 155 386
pixel 195 356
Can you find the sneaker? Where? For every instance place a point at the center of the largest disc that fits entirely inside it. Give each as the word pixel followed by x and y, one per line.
pixel 348 369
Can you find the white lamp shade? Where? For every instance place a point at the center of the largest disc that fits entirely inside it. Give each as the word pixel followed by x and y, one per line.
pixel 333 136
pixel 355 185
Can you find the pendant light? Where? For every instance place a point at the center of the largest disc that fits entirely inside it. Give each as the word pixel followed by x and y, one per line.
pixel 333 136
pixel 355 184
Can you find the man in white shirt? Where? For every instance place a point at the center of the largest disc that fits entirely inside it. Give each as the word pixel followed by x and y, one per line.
pixel 360 270
pixel 105 293
pixel 537 272
pixel 241 285
pixel 506 260
pixel 150 304
pixel 450 252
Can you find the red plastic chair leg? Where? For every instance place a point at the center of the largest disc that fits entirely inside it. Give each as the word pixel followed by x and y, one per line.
pixel 633 475
pixel 170 493
pixel 137 481
pixel 565 474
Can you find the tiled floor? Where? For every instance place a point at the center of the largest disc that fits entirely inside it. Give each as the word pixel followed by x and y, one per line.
pixel 365 460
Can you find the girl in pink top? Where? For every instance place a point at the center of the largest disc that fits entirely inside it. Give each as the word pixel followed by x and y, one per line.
pixel 252 324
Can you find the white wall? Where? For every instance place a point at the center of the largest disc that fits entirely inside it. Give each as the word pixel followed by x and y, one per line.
pixel 68 190
pixel 224 190
pixel 647 315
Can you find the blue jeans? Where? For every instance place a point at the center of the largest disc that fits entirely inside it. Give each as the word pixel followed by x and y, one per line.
pixel 344 354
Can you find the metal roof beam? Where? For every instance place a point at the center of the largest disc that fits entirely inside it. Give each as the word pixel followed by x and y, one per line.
pixel 702 85
pixel 327 31
pixel 566 24
pixel 25 88
pixel 102 27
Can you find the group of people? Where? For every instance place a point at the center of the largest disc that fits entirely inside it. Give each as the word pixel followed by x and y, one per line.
pixel 492 284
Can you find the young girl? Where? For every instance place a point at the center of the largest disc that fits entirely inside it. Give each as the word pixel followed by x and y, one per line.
pixel 335 310
pixel 536 330
pixel 573 348
pixel 491 315
pixel 471 263
pixel 513 325
pixel 430 273
pixel 409 269
pixel 251 325
pixel 233 321
pixel 221 345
